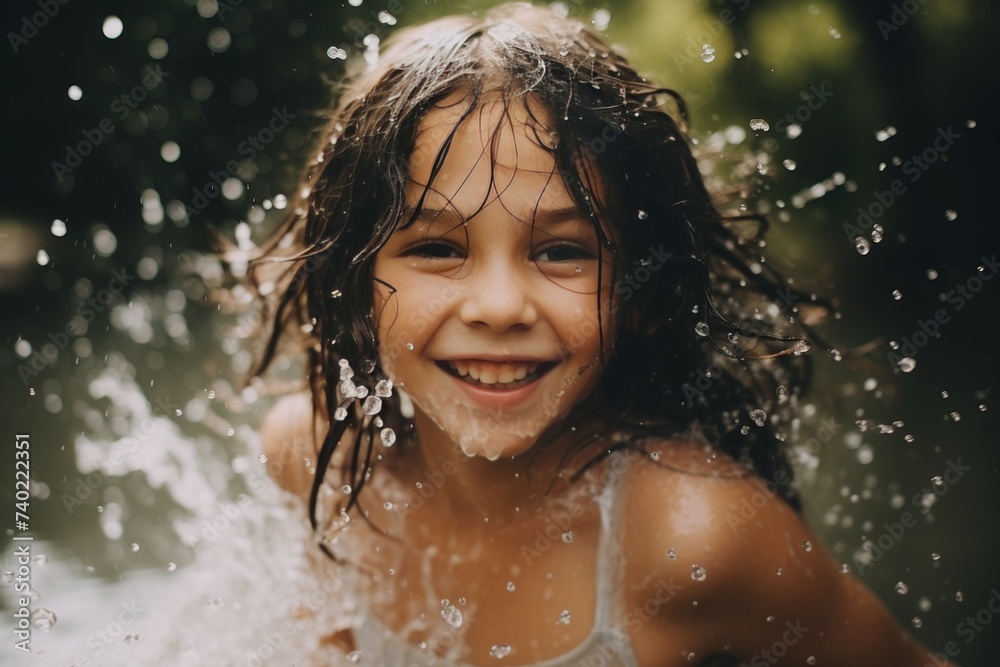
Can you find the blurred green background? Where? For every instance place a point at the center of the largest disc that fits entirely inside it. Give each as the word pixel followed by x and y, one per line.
pixel 865 87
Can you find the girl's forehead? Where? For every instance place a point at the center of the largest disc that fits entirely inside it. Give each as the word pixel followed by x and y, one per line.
pixel 500 149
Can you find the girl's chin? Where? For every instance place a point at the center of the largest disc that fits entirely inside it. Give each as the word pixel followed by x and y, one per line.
pixel 493 451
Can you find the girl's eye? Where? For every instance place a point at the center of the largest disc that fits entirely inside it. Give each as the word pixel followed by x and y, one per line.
pixel 433 251
pixel 564 253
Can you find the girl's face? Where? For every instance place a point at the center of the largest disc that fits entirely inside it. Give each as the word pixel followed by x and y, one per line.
pixel 493 329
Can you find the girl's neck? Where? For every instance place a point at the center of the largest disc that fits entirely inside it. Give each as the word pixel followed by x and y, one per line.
pixel 476 491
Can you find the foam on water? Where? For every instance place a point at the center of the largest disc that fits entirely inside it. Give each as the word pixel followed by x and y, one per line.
pixel 249 587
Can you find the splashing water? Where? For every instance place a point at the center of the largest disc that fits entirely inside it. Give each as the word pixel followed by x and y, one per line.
pixel 500 651
pixel 452 615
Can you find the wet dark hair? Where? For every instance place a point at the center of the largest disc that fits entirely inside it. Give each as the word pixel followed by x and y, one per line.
pixel 701 343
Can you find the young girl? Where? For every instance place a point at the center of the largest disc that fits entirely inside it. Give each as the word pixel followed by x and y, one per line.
pixel 548 377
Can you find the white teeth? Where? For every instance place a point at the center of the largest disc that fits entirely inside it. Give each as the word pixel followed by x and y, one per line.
pixel 493 372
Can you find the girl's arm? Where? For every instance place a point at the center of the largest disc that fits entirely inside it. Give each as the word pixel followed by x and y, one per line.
pixel 818 610
pixel 767 593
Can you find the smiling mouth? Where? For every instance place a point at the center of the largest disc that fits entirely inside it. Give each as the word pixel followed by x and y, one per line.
pixel 496 376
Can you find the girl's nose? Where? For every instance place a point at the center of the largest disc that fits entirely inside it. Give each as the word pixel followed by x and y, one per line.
pixel 498 298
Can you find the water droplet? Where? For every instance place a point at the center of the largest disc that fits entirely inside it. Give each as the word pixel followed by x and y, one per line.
pixel 959 596
pixel 171 567
pixel 917 622
pixel 861 245
pixel 336 294
pixel 801 347
pixel 642 215
pixel 744 430
pixel 671 554
pixel 372 405
pixel 698 573
pixel 907 364
pixel 789 165
pixel 43 619
pixel 701 329
pixel 135 547
pixel 707 53
pixel 354 656
pixel 452 615
pixel 409 346
pixel 932 274
pixel 510 586
pixel 654 456
pixel 568 536
pixel 901 588
pixel 845 568
pixel 811 660
pixel 950 215
pixel 563 618
pixel 769 619
pixel 935 556
pixel 346 489
pixel 758 416
pixel 759 124
pixel 836 35
pixel 500 651
pixel 230 431
pixel 383 389
pixel 131 638
pixel 388 437
pixel 807 545
pixel 778 571
pixel 897 295
pixel 340 414
pixel 112 27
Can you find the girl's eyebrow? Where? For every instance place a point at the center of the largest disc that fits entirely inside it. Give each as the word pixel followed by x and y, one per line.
pixel 542 217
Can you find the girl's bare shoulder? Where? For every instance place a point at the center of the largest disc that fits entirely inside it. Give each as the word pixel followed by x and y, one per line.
pixel 708 510
pixel 740 564
pixel 290 437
